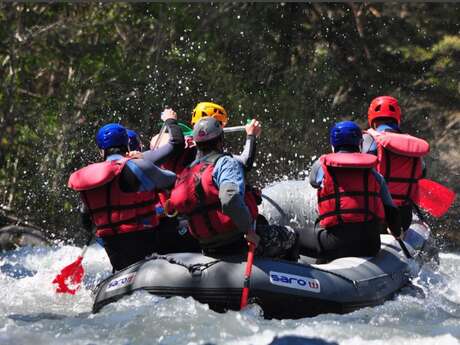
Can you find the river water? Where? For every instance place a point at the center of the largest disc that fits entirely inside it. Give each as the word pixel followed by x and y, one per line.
pixel 32 313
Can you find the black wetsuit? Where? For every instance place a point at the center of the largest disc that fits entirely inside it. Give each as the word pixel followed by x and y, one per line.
pixel 127 248
pixel 353 239
pixel 370 146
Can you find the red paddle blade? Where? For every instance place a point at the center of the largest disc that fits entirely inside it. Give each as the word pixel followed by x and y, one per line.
pixel 434 197
pixel 244 298
pixel 69 279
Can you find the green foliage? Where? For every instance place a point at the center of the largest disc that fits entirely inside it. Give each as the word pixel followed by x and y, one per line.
pixel 68 68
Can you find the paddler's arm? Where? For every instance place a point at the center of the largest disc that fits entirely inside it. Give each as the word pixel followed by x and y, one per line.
pixel 392 216
pixel 142 175
pixel 316 175
pixel 247 157
pixel 228 176
pixel 175 145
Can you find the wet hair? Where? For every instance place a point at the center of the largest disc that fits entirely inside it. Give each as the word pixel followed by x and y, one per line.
pixel 347 148
pixel 383 120
pixel 120 150
pixel 211 145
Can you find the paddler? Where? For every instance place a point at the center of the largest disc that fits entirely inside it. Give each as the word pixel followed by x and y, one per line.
pixel 353 200
pixel 211 192
pixel 400 156
pixel 119 197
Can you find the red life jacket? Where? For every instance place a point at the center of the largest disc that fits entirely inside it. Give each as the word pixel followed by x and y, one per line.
pixel 178 164
pixel 196 196
pixel 112 210
pixel 399 161
pixel 350 192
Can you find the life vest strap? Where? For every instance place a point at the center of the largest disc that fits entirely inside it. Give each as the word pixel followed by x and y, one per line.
pixel 336 195
pixel 345 211
pixel 202 207
pixel 366 193
pixel 412 177
pixel 410 181
pixel 401 179
pixel 124 207
pixel 133 220
pixel 109 206
pixel 356 193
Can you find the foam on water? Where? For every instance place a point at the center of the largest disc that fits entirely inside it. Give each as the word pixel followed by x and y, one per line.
pixel 32 313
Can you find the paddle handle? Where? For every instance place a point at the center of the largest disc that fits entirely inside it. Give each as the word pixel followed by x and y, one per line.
pixel 404 249
pixel 83 252
pixel 234 129
pixel 247 276
pixel 162 131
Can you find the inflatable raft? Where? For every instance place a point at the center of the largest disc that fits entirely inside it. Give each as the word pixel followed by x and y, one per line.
pixel 283 289
pixel 15 236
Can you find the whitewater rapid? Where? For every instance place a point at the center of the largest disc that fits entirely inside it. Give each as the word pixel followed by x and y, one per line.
pixel 32 313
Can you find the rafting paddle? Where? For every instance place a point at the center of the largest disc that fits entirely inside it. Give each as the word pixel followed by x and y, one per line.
pixel 404 249
pixel 247 276
pixel 434 197
pixel 252 243
pixel 69 279
pixel 234 129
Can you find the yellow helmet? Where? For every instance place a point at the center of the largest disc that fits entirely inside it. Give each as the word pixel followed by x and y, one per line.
pixel 214 110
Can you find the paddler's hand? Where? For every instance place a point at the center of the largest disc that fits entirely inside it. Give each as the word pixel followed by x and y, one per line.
pixel 135 154
pixel 398 237
pixel 253 128
pixel 252 237
pixel 168 113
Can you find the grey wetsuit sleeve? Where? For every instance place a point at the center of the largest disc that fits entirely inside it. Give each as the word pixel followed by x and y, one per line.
pixel 316 174
pixel 384 191
pixel 248 155
pixel 150 176
pixel 174 147
pixel 233 206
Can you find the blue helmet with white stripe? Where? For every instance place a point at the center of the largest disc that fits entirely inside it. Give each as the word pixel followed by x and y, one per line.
pixel 345 133
pixel 112 135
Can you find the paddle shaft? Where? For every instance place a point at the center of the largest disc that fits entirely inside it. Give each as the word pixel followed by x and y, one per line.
pixel 85 248
pixel 247 276
pixel 404 249
pixel 162 131
pixel 234 129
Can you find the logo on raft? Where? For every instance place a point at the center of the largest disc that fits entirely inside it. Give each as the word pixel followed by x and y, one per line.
pixel 120 282
pixel 295 282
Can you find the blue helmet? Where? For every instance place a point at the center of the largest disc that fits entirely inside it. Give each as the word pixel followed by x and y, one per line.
pixel 135 143
pixel 112 135
pixel 345 133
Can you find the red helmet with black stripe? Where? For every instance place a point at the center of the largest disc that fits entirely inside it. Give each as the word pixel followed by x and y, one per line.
pixel 384 107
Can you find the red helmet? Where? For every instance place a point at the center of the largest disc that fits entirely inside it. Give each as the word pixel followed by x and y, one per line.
pixel 384 106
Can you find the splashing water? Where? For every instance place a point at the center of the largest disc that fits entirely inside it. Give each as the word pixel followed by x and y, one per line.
pixel 31 311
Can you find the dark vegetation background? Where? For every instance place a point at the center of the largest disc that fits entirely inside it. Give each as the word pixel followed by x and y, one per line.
pixel 66 69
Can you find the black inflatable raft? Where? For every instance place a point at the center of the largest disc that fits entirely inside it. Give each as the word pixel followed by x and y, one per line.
pixel 283 289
